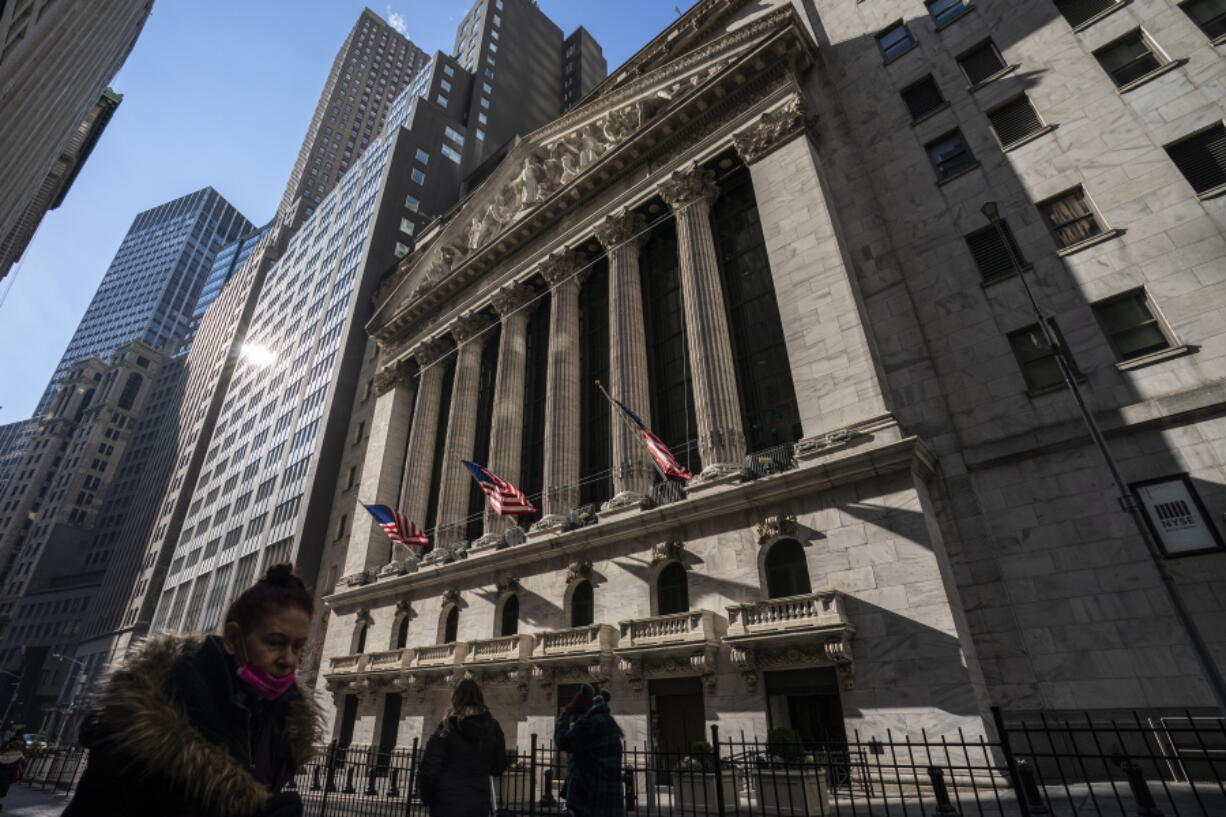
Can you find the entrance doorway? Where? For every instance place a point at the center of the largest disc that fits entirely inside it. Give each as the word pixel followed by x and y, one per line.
pixel 389 729
pixel 678 720
pixel 807 701
pixel 349 716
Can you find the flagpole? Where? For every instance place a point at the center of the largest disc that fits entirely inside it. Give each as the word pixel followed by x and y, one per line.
pixel 630 426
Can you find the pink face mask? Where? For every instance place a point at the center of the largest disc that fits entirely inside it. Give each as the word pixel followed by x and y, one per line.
pixel 267 686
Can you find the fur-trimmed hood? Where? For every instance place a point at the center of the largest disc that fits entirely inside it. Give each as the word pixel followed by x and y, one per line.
pixel 157 725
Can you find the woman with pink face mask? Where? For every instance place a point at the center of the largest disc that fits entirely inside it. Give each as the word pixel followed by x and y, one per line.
pixel 207 725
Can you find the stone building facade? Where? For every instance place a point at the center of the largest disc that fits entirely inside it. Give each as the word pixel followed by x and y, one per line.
pixel 763 234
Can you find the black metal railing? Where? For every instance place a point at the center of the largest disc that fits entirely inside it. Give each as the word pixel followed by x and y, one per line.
pixel 770 461
pixel 54 769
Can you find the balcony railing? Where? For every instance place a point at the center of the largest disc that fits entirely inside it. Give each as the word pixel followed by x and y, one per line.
pixel 440 655
pixel 593 638
pixel 389 659
pixel 346 663
pixel 493 650
pixel 815 610
pixel 769 461
pixel 692 626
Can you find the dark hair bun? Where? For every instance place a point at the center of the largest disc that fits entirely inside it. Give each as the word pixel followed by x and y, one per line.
pixel 282 575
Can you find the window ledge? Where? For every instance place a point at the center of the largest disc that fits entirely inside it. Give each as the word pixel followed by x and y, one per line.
pixel 1077 29
pixel 1154 74
pixel 967 9
pixel 1005 276
pixel 1089 242
pixel 958 175
pixel 914 45
pixel 1025 140
pixel 986 81
pixel 1212 193
pixel 1220 40
pixel 1154 357
pixel 944 106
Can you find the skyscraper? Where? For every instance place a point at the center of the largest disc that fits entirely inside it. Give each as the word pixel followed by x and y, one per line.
pixel 151 287
pixel 374 65
pixel 226 263
pixel 56 58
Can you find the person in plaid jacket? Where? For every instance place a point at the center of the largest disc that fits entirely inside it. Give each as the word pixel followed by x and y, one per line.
pixel 594 740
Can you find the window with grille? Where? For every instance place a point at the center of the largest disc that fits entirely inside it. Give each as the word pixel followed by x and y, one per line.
pixel 1015 121
pixel 1081 11
pixel 1129 58
pixel 895 40
pixel 1132 325
pixel 946 11
pixel 1070 217
pixel 1209 15
pixel 950 155
pixel 982 62
pixel 922 97
pixel 1201 158
pixel 1036 358
pixel 990 247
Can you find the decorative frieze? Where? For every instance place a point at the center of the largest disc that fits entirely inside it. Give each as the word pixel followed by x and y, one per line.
pixel 775 526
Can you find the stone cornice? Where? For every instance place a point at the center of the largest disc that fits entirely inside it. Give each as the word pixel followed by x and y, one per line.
pixel 842 468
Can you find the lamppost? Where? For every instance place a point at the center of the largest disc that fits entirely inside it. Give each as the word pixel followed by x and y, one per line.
pixel 1126 498
pixel 81 679
pixel 12 698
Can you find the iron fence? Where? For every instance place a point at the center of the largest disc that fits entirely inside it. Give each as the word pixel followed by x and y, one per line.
pixel 54 769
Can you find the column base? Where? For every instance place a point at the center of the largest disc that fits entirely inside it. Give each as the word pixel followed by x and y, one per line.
pixel 713 475
pixel 490 541
pixel 553 523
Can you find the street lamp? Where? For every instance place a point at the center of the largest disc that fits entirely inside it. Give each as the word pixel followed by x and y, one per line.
pixel 81 679
pixel 1127 500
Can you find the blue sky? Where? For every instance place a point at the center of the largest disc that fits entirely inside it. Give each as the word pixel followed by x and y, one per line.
pixel 218 92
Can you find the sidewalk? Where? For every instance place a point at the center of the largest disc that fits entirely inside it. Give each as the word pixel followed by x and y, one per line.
pixel 21 802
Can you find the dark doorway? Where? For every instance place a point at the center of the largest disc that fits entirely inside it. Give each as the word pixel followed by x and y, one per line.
pixel 678 720
pixel 510 616
pixel 806 700
pixel 388 732
pixel 581 605
pixel 672 590
pixel 452 626
pixel 349 716
pixel 787 572
pixel 402 632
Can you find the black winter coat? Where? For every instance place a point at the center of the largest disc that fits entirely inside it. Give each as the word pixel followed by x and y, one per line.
pixel 176 734
pixel 454 778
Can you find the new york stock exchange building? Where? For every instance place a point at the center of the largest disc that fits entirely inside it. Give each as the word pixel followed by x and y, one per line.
pixel 703 239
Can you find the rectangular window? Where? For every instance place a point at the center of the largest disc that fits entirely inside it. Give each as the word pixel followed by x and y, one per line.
pixel 895 41
pixel 417 176
pixel 945 11
pixel 442 100
pixel 444 84
pixel 487 88
pixel 451 153
pixel 401 250
pixel 489 72
pixel 454 135
pixel 1209 15
pixel 480 135
pixel 982 62
pixel 923 97
pixel 1036 358
pixel 1070 217
pixel 485 103
pixel 412 203
pixel 1129 58
pixel 422 156
pixel 1081 11
pixel 1201 158
pixel 407 227
pixel 448 70
pixel 1015 121
pixel 482 118
pixel 950 155
pixel 990 247
pixel 1131 325
pixel 1176 515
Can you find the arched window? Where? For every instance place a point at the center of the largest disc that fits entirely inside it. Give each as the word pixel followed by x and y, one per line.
pixel 787 572
pixel 402 632
pixel 510 616
pixel 130 389
pixel 452 625
pixel 359 646
pixel 581 604
pixel 672 590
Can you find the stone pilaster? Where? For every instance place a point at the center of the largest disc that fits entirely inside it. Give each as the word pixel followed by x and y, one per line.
pixel 633 472
pixel 461 431
pixel 721 440
pixel 419 457
pixel 382 469
pixel 507 433
pixel 561 492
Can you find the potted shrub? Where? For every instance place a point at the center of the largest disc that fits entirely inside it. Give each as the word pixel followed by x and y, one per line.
pixel 695 780
pixel 514 785
pixel 789 780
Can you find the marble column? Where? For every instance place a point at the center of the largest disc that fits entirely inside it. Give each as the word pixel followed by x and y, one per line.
pixel 456 481
pixel 419 457
pixel 382 471
pixel 721 440
pixel 507 431
pixel 561 481
pixel 633 471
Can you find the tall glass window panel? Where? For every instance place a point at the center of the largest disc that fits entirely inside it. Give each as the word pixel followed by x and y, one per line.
pixel 769 413
pixel 485 420
pixel 595 454
pixel 532 455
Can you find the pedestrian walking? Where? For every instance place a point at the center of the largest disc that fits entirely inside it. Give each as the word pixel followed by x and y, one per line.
pixel 587 730
pixel 465 751
pixel 12 760
pixel 207 725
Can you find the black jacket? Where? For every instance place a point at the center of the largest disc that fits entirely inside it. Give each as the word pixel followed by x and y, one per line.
pixel 176 734
pixel 454 778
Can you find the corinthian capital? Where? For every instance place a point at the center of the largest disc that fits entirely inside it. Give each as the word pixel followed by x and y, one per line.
pixel 393 375
pixel 510 298
pixel 620 228
pixel 560 266
pixel 468 325
pixel 771 130
pixel 688 186
pixel 428 351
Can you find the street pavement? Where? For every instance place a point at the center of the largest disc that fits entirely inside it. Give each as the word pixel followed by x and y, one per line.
pixel 22 802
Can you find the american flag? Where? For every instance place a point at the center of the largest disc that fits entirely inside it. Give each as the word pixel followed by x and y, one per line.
pixel 659 451
pixel 504 497
pixel 399 529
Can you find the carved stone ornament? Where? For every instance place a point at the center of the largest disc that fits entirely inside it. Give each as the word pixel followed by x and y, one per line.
pixel 773 129
pixel 355 579
pixel 620 228
pixel 393 375
pixel 559 267
pixel 508 585
pixel 364 617
pixel 666 551
pixel 578 570
pixel 689 186
pixel 451 596
pixel 468 326
pixel 773 526
pixel 510 298
pixel 429 351
pixel 405 608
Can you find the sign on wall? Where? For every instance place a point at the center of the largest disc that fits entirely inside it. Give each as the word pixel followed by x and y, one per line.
pixel 1176 515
